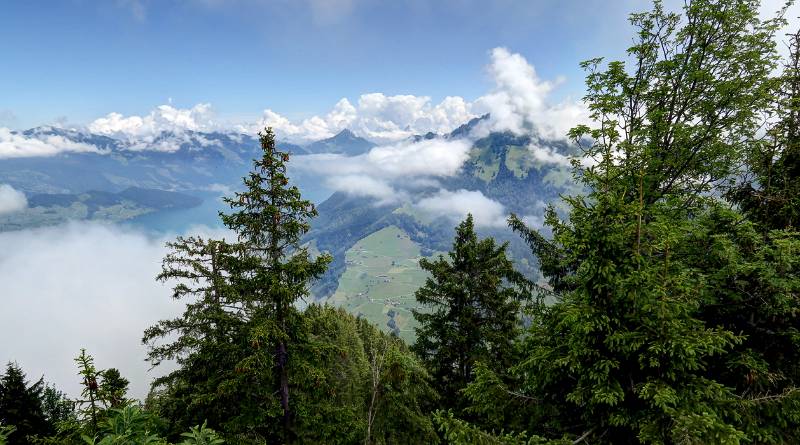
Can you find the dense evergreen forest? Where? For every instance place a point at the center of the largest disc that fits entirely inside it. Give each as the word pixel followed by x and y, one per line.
pixel 671 313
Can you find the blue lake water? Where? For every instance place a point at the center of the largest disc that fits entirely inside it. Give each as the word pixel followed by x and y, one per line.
pixel 206 214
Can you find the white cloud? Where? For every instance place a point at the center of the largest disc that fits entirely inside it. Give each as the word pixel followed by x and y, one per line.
pixel 363 185
pixel 548 155
pixel 18 145
pixel 433 157
pixel 520 100
pixel 456 205
pixel 164 118
pixel 11 200
pixel 376 116
pixel 64 297
pixel 385 172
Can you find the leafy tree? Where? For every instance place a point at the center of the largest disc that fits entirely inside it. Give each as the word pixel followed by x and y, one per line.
pixel 770 191
pixel 755 268
pixel 272 271
pixel 57 407
pixel 337 382
pixel 21 406
pixel 627 353
pixel 399 391
pixel 473 298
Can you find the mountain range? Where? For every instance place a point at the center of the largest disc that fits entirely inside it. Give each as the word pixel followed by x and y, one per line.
pixel 376 244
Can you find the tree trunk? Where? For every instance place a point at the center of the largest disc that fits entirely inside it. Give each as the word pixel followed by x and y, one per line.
pixel 284 387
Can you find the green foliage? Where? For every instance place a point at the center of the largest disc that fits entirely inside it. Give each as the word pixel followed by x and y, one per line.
pixel 88 407
pixel 5 433
pixel 640 345
pixel 271 271
pixel 201 435
pixel 57 407
pixel 21 406
pixel 102 391
pixel 458 432
pixel 128 425
pixel 473 298
pixel 770 193
pixel 113 388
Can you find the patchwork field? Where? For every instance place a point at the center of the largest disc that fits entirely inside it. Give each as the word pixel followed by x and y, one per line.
pixel 380 280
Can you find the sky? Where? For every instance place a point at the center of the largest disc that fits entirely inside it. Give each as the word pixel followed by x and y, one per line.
pixel 77 60
pixel 131 69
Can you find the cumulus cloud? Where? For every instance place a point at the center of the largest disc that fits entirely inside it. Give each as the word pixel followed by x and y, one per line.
pixel 164 118
pixel 11 199
pixel 375 116
pixel 64 297
pixel 520 100
pixel 18 145
pixel 456 205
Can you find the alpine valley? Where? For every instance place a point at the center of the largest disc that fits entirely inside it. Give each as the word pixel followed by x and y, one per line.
pixel 168 183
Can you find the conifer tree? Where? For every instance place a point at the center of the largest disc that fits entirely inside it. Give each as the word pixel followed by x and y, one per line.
pixel 21 406
pixel 213 311
pixel 113 388
pixel 89 406
pixel 271 271
pixel 473 311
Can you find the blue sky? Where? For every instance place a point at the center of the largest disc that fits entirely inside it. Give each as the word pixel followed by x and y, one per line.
pixel 81 59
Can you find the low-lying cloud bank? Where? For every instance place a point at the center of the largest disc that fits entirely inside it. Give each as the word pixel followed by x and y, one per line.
pixel 456 205
pixel 18 145
pixel 81 285
pixel 11 199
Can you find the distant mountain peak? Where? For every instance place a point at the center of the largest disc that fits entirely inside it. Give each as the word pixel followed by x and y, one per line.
pixel 464 129
pixel 344 134
pixel 345 142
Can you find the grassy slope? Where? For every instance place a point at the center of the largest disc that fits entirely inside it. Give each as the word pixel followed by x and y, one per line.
pixel 382 275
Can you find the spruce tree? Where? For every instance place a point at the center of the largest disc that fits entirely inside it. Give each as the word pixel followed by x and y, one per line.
pixel 207 341
pixel 21 406
pixel 472 301
pixel 272 271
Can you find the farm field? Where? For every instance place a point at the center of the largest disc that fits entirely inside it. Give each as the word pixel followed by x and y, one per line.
pixel 382 275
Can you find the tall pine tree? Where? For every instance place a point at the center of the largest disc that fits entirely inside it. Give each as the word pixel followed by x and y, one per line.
pixel 272 271
pixel 472 301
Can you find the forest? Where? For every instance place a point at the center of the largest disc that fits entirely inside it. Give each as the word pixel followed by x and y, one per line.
pixel 669 312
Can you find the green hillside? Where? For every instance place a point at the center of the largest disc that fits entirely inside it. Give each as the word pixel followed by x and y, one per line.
pixel 380 280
